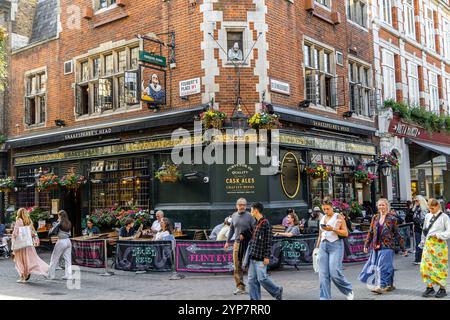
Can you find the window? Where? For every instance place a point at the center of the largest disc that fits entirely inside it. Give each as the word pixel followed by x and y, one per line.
pixel 413 83
pixel 446 37
pixel 410 29
pixel 429 29
pixel 388 75
pixel 320 82
pixel 386 11
pixel 235 45
pixel 360 88
pixel 35 98
pixel 102 4
pixel 434 93
pixel 326 3
pixel 448 96
pixel 112 86
pixel 357 12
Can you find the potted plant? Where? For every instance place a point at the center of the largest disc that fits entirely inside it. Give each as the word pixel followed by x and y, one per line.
pixel 47 181
pixel 318 170
pixel 363 176
pixel 355 210
pixel 72 181
pixel 388 158
pixel 264 120
pixel 140 216
pixel 168 173
pixel 7 184
pixel 104 218
pixel 213 119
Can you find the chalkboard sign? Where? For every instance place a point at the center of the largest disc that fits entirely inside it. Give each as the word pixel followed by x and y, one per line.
pixel 88 253
pixel 354 247
pixel 297 251
pixel 144 255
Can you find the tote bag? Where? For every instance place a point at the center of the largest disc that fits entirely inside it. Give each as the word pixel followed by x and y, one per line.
pixel 23 239
pixel 315 257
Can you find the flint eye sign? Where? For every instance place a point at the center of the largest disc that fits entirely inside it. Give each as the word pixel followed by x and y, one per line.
pixel 189 87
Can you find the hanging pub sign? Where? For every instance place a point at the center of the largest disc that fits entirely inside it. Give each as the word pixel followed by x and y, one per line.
pixel 151 58
pixel 144 255
pixel 190 87
pixel 153 87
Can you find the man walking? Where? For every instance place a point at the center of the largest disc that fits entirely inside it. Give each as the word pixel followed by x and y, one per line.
pixel 259 255
pixel 242 223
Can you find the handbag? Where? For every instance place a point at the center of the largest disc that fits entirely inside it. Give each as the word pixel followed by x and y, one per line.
pixel 23 239
pixel 315 258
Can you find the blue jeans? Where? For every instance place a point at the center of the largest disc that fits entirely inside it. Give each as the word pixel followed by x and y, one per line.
pixel 257 276
pixel 331 255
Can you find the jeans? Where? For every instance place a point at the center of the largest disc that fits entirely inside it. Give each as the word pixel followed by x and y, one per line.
pixel 63 247
pixel 331 255
pixel 257 277
pixel 418 238
pixel 238 272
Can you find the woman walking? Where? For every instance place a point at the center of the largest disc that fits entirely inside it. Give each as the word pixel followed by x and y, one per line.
pixel 331 253
pixel 379 269
pixel 419 210
pixel 26 259
pixel 63 246
pixel 434 265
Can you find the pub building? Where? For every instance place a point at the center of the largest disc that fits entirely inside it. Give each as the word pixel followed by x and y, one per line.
pixel 120 162
pixel 424 160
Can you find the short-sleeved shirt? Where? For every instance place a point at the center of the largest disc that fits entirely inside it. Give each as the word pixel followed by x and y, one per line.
pixel 125 234
pixel 294 230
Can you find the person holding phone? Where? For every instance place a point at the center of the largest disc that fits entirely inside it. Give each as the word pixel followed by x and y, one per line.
pixel 331 253
pixel 378 272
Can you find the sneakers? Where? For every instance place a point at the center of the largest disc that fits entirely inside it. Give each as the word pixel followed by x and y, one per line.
pixel 377 290
pixel 441 293
pixel 239 291
pixel 350 296
pixel 280 295
pixel 389 288
pixel 416 263
pixel 429 292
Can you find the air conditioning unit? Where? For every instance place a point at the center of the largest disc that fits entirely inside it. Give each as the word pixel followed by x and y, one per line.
pixel 68 67
pixel 309 5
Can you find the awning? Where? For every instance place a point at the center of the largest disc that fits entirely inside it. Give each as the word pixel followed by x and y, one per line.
pixel 437 148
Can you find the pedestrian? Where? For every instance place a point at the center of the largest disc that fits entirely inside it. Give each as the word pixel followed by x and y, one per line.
pixel 434 265
pixel 293 229
pixel 331 253
pixel 260 249
pixel 419 210
pixel 242 224
pixel 379 269
pixel 63 247
pixel 26 259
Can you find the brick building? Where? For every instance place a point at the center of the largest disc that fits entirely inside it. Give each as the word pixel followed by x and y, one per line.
pixel 412 63
pixel 77 101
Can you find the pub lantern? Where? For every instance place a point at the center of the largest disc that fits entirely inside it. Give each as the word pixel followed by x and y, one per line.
pixel 372 167
pixel 239 120
pixel 385 168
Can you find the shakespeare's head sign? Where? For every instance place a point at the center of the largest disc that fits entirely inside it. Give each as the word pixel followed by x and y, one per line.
pixel 153 87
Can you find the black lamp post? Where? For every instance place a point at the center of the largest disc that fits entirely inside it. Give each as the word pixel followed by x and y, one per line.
pixel 239 119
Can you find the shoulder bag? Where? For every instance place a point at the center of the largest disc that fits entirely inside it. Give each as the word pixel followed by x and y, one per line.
pixel 23 239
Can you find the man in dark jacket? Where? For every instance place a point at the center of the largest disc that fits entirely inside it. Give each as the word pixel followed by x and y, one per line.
pixel 259 256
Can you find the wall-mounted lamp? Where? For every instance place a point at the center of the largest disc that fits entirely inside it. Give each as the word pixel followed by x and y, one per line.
pixel 60 123
pixel 348 114
pixel 304 104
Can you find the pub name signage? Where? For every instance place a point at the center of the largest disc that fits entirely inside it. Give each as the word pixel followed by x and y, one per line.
pixel 406 130
pixel 85 134
pixel 330 126
pixel 160 144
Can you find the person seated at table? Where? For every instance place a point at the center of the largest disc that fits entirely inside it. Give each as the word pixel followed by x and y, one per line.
pixel 215 231
pixel 156 226
pixel 293 226
pixel 166 232
pixel 312 225
pixel 91 229
pixel 223 233
pixel 285 219
pixel 127 232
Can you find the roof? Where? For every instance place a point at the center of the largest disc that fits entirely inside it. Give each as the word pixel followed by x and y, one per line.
pixel 45 23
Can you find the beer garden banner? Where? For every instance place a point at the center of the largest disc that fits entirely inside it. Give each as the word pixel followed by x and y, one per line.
pixel 144 255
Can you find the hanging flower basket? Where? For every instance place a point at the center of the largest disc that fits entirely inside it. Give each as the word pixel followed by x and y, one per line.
pixel 361 175
pixel 388 158
pixel 72 181
pixel 213 119
pixel 47 182
pixel 7 184
pixel 264 120
pixel 318 170
pixel 168 173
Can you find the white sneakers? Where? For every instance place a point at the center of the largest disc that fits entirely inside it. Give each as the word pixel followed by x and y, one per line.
pixel 350 296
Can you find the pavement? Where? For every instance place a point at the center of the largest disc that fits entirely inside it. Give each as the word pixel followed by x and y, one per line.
pixel 302 284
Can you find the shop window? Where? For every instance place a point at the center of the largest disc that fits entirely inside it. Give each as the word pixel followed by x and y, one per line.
pixel 35 98
pixel 360 88
pixel 113 85
pixel 235 42
pixel 357 12
pixel 320 78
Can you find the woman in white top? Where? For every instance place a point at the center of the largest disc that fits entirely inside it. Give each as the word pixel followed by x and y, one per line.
pixel 434 265
pixel 166 231
pixel 331 253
